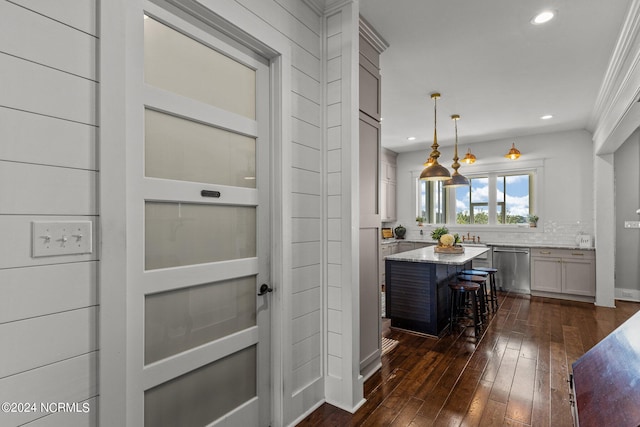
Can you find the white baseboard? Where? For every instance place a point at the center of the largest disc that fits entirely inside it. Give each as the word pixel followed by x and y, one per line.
pixel 628 294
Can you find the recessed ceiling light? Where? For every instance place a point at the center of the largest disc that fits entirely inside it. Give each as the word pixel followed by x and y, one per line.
pixel 411 138
pixel 546 117
pixel 543 17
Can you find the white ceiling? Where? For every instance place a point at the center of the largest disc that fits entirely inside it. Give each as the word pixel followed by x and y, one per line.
pixel 491 65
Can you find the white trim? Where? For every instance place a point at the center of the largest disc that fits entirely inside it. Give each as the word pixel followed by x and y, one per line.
pixel 174 366
pixel 372 36
pixel 160 189
pixel 628 294
pixel 616 104
pixel 190 109
pixel 161 280
pixel 621 52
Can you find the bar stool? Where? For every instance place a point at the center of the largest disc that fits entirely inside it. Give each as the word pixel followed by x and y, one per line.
pixel 459 292
pixel 493 290
pixel 481 279
pixel 483 273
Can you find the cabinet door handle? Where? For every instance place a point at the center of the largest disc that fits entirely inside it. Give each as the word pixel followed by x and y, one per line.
pixel 545 252
pixel 575 253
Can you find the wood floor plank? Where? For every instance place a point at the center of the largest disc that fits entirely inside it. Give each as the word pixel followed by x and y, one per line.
pixel 514 375
pixel 478 403
pixel 520 403
pixel 504 378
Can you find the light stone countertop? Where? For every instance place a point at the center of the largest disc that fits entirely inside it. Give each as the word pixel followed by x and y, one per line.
pixel 513 245
pixel 428 255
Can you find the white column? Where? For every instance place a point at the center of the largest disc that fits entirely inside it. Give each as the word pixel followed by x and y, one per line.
pixel 604 187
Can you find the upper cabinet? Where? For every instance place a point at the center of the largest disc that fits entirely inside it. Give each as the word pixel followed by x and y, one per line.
pixel 369 80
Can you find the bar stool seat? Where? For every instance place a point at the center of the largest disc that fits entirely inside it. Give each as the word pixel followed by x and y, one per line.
pixel 482 281
pixel 459 292
pixel 493 290
pixel 475 271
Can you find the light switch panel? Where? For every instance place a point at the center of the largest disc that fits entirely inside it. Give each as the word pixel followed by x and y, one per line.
pixel 53 238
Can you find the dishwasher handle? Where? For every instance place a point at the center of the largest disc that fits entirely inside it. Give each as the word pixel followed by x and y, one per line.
pixel 510 251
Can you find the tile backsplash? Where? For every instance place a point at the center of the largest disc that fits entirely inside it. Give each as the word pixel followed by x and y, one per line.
pixel 563 233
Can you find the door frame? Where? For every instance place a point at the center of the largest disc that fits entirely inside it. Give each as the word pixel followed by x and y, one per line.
pixel 119 192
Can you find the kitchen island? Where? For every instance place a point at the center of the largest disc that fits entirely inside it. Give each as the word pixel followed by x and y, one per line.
pixel 417 291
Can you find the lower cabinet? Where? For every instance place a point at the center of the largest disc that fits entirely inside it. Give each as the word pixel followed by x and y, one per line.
pixel 385 250
pixel 563 272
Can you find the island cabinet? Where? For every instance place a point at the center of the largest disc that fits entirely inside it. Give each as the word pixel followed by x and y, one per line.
pixel 417 292
pixel 564 273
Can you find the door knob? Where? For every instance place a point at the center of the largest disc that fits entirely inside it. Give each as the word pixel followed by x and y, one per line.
pixel 264 289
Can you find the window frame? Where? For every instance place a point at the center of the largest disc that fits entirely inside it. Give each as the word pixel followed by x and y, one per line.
pixel 536 204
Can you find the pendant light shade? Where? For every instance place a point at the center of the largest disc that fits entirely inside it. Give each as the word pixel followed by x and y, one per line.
pixel 513 153
pixel 457 180
pixel 435 172
pixel 469 158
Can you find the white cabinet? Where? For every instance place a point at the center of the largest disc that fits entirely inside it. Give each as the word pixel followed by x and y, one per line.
pixel 564 272
pixel 388 186
pixel 385 250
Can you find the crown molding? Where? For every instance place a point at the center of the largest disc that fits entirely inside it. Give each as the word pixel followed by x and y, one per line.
pixel 622 70
pixel 316 5
pixel 325 7
pixel 372 36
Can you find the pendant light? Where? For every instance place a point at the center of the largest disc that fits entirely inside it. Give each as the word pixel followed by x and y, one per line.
pixel 435 172
pixel 469 158
pixel 457 180
pixel 513 153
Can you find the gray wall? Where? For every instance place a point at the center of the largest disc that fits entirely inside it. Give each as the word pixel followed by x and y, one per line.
pixel 627 197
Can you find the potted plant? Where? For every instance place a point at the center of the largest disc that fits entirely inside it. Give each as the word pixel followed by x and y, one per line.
pixel 420 220
pixel 400 231
pixel 533 220
pixel 437 233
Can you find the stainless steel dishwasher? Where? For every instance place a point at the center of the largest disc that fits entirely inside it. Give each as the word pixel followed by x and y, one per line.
pixel 513 269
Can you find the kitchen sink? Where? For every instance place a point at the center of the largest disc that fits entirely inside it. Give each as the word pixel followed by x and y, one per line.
pixel 474 245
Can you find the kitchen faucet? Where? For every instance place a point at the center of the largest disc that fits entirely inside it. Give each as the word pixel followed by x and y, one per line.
pixel 469 237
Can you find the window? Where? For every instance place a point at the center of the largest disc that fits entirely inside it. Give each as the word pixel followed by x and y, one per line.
pixel 432 201
pixel 512 205
pixel 513 199
pixel 491 198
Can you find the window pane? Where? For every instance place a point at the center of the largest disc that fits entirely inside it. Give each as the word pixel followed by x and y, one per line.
pixel 480 214
pixel 462 205
pixel 179 234
pixel 184 150
pixel 201 396
pixel 516 198
pixel 479 190
pixel 432 201
pixel 179 64
pixel 422 199
pixel 176 321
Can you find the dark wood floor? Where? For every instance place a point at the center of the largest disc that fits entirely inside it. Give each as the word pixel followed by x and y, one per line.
pixel 515 375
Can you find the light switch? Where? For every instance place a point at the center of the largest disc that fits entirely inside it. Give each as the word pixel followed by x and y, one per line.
pixel 61 238
pixel 632 224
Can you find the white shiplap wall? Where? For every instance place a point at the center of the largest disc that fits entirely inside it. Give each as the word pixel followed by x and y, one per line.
pixel 303 378
pixel 48 89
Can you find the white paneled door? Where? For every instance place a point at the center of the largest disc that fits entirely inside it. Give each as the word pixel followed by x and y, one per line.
pixel 206 291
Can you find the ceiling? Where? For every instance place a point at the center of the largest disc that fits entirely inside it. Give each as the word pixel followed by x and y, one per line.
pixel 494 68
